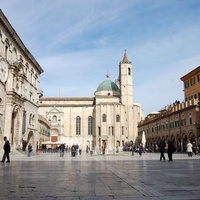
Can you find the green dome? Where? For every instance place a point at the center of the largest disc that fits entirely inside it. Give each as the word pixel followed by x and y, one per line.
pixel 107 85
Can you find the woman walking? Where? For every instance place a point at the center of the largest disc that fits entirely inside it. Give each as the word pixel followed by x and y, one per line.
pixel 189 149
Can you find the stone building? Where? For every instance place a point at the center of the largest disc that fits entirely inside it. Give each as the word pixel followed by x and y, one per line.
pixel 106 121
pixel 192 84
pixel 19 88
pixel 179 121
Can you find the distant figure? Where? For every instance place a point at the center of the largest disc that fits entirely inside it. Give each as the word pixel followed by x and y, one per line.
pixel 6 148
pixel 162 146
pixel 189 149
pixel 171 149
pixel 62 150
pixel 73 150
pixel 77 147
pixel 86 149
pixel 30 149
pixel 194 148
pixel 80 151
pixel 141 150
pixel 133 150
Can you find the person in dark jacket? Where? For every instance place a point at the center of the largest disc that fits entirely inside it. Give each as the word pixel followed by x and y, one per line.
pixel 6 148
pixel 171 149
pixel 162 146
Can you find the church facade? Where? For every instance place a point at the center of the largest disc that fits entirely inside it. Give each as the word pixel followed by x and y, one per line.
pixel 106 121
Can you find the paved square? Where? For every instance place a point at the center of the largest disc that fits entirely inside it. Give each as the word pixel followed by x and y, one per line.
pixel 47 176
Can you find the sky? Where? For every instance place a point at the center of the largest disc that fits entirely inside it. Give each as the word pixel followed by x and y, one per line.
pixel 78 42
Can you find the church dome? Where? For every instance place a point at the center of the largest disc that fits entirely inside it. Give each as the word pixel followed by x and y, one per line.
pixel 107 85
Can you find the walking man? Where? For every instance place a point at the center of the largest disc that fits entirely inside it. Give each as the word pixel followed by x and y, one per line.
pixel 6 148
pixel 162 146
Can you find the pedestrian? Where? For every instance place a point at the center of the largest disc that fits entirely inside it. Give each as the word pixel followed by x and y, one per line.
pixel 62 150
pixel 6 148
pixel 133 150
pixel 189 149
pixel 162 146
pixel 141 149
pixel 77 147
pixel 30 149
pixel 194 148
pixel 171 149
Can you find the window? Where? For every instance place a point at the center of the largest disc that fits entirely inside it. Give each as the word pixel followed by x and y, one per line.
pixel 112 128
pixel 104 118
pixel 24 123
pixel 192 81
pixel 186 84
pixel 198 77
pixel 7 46
pixel 177 123
pixel 54 118
pixel 99 130
pixel 90 125
pixel 122 130
pixel 190 119
pixel 30 119
pixel 183 122
pixel 78 125
pixel 171 124
pixel 33 120
pixel 129 71
pixel 6 52
pixel 117 118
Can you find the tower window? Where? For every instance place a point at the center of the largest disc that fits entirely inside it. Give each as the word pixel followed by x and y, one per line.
pixel 104 118
pixel 129 71
pixel 117 118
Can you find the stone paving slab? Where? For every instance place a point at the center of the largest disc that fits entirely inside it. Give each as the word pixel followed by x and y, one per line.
pixel 47 176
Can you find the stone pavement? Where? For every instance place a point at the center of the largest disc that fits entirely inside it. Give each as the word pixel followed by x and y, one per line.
pixel 47 176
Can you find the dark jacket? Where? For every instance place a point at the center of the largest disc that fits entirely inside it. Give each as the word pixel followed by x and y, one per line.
pixel 6 147
pixel 162 145
pixel 171 147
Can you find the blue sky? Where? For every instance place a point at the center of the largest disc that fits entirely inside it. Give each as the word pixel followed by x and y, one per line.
pixel 77 42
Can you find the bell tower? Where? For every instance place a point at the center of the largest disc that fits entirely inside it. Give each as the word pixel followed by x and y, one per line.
pixel 126 81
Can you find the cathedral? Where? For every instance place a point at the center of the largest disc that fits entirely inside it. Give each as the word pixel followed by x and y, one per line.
pixel 106 121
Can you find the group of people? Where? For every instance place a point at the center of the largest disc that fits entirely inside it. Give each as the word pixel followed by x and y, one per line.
pixel 169 147
pixel 163 146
